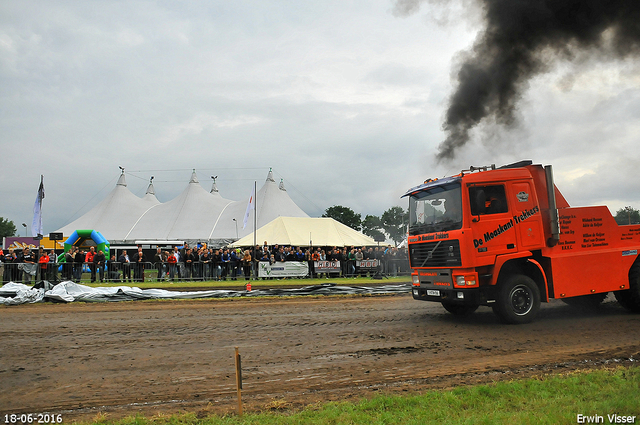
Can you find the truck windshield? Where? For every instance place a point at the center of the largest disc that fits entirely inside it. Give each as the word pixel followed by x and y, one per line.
pixel 436 209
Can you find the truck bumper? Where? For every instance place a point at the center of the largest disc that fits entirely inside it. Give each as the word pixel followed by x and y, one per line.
pixel 463 296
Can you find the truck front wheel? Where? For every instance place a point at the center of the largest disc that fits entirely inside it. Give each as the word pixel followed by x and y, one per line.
pixel 518 300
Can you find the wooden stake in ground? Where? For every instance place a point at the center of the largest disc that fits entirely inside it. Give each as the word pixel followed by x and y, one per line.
pixel 239 380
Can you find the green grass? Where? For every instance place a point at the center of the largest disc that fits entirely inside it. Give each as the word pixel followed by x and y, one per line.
pixel 552 400
pixel 151 283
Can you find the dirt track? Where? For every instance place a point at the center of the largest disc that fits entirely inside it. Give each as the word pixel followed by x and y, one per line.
pixel 169 356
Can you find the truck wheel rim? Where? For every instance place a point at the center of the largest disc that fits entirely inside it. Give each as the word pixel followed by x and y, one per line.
pixel 521 300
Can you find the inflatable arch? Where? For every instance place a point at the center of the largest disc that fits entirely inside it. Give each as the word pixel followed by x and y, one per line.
pixel 79 236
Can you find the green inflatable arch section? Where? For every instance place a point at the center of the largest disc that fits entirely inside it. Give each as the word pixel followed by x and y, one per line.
pixel 79 236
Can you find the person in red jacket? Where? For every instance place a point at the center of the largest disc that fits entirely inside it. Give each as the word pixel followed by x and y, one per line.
pixel 43 261
pixel 172 260
pixel 88 258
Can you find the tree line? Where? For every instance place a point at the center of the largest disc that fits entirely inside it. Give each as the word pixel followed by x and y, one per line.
pixel 391 224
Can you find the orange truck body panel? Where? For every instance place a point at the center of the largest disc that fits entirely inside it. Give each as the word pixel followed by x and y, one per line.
pixel 593 253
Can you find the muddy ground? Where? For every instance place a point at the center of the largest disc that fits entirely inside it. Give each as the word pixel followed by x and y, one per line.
pixel 162 357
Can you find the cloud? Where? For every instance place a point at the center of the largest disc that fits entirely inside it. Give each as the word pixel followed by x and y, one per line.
pixel 344 100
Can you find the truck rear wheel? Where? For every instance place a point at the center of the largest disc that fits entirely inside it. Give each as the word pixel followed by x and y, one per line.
pixel 459 309
pixel 630 298
pixel 518 300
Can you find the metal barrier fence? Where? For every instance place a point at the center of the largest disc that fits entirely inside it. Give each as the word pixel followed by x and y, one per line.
pixel 116 272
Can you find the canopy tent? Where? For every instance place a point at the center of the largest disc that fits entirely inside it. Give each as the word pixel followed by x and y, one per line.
pixel 306 231
pixel 196 215
pixel 116 214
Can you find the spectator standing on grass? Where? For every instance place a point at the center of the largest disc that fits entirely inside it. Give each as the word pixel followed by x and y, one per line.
pixel 234 260
pixel 225 258
pixel 43 264
pixel 205 260
pixel 172 261
pixel 183 259
pixel 176 253
pixel 29 262
pixel 112 270
pixel 125 263
pixel 88 258
pixel 67 267
pixel 78 264
pixel 138 259
pixel 99 262
pixel 215 264
pixel 246 264
pixel 52 271
pixel 159 261
pixel 358 257
pixel 8 260
pixel 196 273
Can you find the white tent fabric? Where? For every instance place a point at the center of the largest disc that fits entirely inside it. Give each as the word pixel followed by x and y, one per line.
pixel 195 215
pixel 306 231
pixel 116 214
pixel 192 215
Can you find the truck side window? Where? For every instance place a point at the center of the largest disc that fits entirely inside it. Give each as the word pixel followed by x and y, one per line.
pixel 488 200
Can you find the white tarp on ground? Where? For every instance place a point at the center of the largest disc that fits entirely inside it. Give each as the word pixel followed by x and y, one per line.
pixel 17 293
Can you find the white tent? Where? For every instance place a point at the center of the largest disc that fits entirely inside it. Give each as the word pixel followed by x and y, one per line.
pixel 195 215
pixel 117 213
pixel 306 231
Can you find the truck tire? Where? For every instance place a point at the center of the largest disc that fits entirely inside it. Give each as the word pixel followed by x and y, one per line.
pixel 630 298
pixel 586 302
pixel 459 309
pixel 518 300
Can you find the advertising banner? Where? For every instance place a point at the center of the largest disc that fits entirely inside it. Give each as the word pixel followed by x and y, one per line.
pixel 368 264
pixel 283 269
pixel 16 242
pixel 326 266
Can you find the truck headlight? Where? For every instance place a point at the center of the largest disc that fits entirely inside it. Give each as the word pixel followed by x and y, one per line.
pixel 466 280
pixel 416 279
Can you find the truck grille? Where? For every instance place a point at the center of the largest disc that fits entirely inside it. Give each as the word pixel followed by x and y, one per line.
pixel 445 253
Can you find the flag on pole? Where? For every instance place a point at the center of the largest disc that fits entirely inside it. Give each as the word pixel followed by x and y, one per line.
pixel 250 206
pixel 36 225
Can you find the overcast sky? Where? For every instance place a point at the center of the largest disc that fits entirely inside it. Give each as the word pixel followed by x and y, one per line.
pixel 343 99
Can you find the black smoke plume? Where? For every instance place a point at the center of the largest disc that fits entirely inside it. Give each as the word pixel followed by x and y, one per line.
pixel 523 38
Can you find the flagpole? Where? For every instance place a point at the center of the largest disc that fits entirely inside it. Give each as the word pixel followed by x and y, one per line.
pixel 255 225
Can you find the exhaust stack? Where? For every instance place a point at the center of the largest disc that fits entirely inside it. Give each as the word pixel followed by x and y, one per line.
pixel 554 221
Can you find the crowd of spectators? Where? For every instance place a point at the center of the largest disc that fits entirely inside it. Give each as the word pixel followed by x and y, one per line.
pixel 24 265
pixel 203 263
pixel 189 263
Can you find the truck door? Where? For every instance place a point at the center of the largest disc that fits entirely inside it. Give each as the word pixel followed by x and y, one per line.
pixel 526 214
pixel 493 225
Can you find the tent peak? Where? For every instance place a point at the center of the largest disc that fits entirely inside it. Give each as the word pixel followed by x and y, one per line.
pixel 121 180
pixel 151 190
pixel 194 177
pixel 281 187
pixel 214 188
pixel 270 176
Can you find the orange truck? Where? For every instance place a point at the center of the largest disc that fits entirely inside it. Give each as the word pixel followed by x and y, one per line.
pixel 506 238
